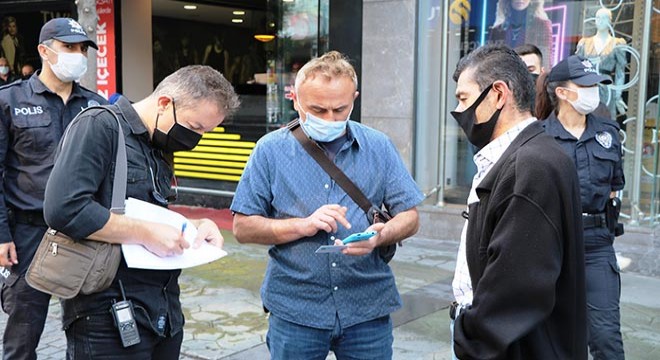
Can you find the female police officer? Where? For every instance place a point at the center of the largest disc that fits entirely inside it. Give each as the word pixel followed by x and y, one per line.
pixel 571 90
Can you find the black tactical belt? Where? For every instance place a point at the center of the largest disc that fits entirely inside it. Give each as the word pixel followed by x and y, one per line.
pixel 594 220
pixel 34 217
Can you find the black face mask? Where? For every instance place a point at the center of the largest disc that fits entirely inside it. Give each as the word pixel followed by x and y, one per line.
pixel 534 77
pixel 478 134
pixel 179 138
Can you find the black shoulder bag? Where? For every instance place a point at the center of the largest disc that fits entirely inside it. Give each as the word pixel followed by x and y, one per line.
pixel 374 213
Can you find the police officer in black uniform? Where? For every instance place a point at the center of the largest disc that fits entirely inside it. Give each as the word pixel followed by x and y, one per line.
pixel 567 98
pixel 33 116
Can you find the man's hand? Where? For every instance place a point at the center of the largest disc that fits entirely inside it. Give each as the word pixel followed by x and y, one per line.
pixel 207 231
pixel 165 240
pixel 325 218
pixel 8 255
pixel 364 247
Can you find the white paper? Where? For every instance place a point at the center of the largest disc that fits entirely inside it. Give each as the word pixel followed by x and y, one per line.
pixel 137 256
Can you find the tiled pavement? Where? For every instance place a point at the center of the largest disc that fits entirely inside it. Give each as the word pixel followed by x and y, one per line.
pixel 224 319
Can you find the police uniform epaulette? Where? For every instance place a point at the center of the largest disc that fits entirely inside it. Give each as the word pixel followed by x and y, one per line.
pixel 84 89
pixel 608 122
pixel 14 83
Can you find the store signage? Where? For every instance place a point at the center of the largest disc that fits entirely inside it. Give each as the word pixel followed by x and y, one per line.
pixel 106 67
pixel 434 14
pixel 459 11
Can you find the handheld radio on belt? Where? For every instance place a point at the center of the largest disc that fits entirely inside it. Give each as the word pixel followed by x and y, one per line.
pixel 124 316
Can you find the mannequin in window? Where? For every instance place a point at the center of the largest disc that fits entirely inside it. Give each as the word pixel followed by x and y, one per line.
pixel 185 54
pixel 216 55
pixel 519 22
pixel 12 44
pixel 604 51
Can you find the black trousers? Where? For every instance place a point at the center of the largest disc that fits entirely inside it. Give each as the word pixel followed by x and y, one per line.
pixel 27 308
pixel 96 337
pixel 603 293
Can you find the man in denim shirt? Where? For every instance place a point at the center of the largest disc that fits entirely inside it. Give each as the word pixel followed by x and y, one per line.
pixel 338 301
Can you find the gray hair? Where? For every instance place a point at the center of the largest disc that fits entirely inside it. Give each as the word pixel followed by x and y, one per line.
pixel 191 84
pixel 491 63
pixel 331 65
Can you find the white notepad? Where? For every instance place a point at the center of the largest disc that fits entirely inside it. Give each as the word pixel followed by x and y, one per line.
pixel 137 256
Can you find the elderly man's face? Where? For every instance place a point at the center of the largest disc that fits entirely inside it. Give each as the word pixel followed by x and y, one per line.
pixel 328 99
pixel 467 92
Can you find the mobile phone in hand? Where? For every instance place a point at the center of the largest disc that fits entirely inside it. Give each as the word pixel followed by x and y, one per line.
pixel 361 236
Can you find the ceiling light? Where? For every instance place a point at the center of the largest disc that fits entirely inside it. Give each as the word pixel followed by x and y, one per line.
pixel 237 21
pixel 264 37
pixel 190 7
pixel 238 12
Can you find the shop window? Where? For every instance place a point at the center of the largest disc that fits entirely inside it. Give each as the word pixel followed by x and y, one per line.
pixel 302 34
pixel 225 38
pixel 21 25
pixel 612 33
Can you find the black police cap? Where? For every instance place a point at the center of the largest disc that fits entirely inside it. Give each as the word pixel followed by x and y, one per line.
pixel 579 70
pixel 65 30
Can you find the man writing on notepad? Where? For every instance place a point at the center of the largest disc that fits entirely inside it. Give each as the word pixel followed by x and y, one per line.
pixel 187 103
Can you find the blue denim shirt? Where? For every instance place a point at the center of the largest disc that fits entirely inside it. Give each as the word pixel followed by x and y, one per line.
pixel 282 181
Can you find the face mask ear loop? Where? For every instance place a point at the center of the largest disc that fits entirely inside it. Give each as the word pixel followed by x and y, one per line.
pixel 47 59
pixel 174 111
pixel 156 125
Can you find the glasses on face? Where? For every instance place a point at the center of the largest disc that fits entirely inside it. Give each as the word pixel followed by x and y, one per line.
pixel 156 195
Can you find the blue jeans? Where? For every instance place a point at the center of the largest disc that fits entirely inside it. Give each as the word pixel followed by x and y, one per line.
pixel 96 337
pixel 368 340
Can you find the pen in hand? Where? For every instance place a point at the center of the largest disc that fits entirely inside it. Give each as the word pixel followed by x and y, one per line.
pixel 183 227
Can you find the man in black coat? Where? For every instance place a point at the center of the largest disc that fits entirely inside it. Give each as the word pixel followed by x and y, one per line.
pixel 520 269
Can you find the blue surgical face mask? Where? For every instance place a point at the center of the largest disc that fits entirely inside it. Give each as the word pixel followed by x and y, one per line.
pixel 322 130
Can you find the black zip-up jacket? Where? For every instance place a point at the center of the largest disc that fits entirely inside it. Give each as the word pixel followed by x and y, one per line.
pixel 525 254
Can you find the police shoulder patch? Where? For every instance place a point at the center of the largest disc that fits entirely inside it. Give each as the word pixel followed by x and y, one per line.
pixel 604 139
pixel 92 103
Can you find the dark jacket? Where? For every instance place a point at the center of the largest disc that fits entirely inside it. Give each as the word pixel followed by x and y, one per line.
pixel 526 258
pixel 78 196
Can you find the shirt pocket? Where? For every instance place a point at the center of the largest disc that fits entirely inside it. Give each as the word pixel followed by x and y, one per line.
pixel 33 134
pixel 139 182
pixel 602 169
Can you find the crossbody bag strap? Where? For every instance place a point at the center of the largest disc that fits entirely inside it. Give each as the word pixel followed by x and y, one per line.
pixel 335 173
pixel 119 182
